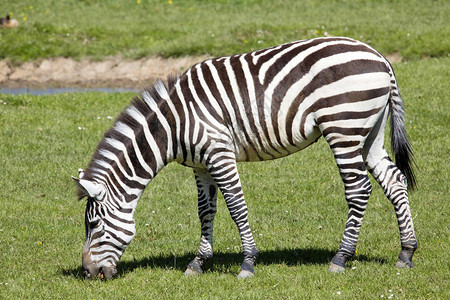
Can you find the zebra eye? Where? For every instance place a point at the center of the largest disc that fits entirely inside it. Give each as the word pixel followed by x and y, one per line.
pixel 94 224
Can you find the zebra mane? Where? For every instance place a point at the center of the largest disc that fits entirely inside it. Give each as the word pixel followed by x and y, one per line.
pixel 156 94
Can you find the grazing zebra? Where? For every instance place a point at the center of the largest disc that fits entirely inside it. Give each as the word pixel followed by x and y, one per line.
pixel 252 107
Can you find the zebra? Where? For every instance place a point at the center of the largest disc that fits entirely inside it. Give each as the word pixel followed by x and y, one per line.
pixel 257 106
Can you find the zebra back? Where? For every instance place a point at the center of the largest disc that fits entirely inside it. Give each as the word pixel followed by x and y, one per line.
pixel 272 102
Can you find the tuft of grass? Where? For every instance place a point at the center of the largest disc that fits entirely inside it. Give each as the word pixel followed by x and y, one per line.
pixel 136 29
pixel 296 208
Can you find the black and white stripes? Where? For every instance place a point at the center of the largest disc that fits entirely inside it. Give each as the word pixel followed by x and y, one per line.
pixel 251 107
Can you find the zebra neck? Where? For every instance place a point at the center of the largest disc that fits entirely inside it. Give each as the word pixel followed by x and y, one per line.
pixel 132 152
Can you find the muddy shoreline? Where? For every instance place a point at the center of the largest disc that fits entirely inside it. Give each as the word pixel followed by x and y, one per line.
pixel 113 72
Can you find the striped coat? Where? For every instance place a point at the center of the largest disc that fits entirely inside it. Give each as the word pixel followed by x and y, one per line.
pixel 252 107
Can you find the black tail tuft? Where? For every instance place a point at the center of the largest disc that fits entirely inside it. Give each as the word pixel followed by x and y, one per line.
pixel 404 157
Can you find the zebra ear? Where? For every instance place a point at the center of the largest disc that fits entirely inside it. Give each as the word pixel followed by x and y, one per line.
pixel 88 188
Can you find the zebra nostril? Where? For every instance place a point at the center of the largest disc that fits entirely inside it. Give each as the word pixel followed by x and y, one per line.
pixel 90 268
pixel 87 275
pixel 90 272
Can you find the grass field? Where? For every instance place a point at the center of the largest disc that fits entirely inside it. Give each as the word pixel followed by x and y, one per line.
pixel 134 29
pixel 296 204
pixel 297 212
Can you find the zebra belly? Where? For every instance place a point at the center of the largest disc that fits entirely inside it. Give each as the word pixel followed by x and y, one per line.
pixel 268 150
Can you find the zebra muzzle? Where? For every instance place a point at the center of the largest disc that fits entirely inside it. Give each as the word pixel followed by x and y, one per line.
pixel 93 271
pixel 100 273
pixel 90 272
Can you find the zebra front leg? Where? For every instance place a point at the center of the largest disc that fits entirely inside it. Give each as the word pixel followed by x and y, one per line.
pixel 226 175
pixel 393 183
pixel 357 193
pixel 207 207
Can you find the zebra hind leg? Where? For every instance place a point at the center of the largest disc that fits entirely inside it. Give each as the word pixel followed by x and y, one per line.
pixel 207 207
pixel 393 183
pixel 357 192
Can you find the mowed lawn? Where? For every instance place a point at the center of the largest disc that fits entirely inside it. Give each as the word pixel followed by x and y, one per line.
pixel 138 28
pixel 297 211
pixel 296 204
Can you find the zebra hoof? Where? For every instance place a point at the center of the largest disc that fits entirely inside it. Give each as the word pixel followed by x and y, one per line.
pixel 402 265
pixel 194 268
pixel 405 258
pixel 191 272
pixel 245 274
pixel 336 268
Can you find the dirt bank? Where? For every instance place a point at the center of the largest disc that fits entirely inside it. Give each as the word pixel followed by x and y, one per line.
pixel 113 72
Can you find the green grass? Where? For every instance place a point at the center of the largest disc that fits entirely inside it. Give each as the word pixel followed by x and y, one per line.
pixel 297 211
pixel 97 29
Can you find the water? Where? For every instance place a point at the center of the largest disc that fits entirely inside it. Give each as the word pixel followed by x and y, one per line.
pixel 52 91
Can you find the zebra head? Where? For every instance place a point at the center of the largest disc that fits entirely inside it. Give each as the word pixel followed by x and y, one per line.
pixel 109 228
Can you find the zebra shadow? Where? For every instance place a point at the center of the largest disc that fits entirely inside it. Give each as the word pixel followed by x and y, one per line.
pixel 225 262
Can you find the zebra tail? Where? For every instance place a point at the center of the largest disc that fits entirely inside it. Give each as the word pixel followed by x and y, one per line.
pixel 404 157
